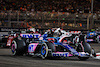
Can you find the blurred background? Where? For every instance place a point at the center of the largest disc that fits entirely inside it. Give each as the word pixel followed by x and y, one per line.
pixel 44 14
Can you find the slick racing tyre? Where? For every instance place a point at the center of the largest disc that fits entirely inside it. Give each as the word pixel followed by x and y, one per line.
pixel 14 47
pixel 81 49
pixel 44 50
pixel 18 47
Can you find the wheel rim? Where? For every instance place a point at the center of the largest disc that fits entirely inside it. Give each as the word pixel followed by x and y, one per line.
pixel 44 51
pixel 13 47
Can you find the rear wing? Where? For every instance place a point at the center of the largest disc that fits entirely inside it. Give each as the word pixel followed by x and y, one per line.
pixel 75 32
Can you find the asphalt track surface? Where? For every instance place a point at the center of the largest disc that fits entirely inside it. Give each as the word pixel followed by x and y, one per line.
pixel 7 60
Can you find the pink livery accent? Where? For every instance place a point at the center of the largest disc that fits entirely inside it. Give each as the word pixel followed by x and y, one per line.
pixel 70 55
pixel 32 47
pixel 99 36
pixel 21 35
pixel 89 39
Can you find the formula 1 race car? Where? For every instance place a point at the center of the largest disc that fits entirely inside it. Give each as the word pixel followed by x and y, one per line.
pixel 6 40
pixel 48 46
pixel 92 36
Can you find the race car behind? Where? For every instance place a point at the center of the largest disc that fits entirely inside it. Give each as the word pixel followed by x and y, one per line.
pixel 92 36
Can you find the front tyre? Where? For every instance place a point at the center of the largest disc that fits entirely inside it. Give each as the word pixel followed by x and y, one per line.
pixel 44 50
pixel 80 48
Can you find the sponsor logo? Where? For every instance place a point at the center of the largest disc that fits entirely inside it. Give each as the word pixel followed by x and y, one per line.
pixel 30 48
pixel 27 36
pixel 30 36
pixel 83 54
pixel 60 54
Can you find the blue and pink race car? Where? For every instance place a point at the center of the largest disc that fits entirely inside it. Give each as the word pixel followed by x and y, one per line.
pixel 47 45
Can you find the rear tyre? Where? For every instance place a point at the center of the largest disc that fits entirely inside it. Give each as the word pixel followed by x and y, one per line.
pixel 18 47
pixel 14 48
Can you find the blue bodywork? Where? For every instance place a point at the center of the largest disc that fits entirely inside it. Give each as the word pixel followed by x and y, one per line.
pixel 91 36
pixel 65 45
